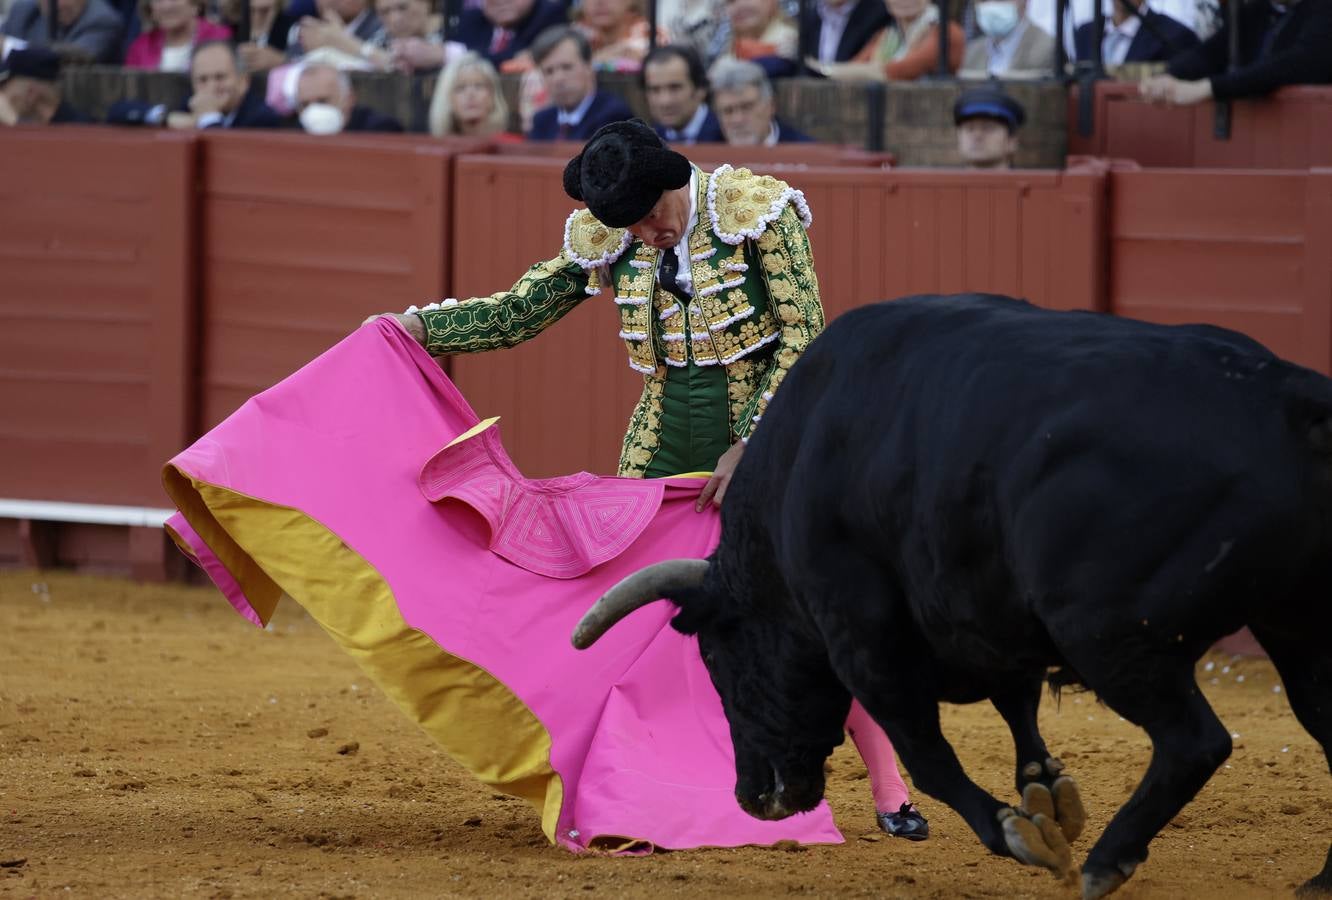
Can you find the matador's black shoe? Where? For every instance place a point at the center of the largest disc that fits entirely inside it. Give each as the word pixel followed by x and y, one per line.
pixel 907 823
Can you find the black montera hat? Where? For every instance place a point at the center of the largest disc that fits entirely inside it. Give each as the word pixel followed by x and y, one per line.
pixel 989 103
pixel 623 171
pixel 31 62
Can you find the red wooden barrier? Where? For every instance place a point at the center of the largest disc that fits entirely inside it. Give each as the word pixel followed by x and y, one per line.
pixel 1031 234
pixel 1247 250
pixel 96 347
pixel 1292 129
pixel 566 396
pixel 304 238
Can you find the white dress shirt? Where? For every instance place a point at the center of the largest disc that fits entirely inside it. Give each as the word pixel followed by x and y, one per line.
pixel 683 277
pixel 1002 51
pixel 572 117
pixel 689 134
pixel 833 26
pixel 1118 38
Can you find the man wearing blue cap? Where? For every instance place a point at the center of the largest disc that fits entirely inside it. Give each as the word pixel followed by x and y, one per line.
pixel 30 89
pixel 987 122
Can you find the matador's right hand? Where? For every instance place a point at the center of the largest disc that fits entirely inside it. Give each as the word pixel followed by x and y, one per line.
pixel 408 322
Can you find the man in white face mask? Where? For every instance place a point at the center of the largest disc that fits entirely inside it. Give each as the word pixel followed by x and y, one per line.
pixel 1010 46
pixel 326 104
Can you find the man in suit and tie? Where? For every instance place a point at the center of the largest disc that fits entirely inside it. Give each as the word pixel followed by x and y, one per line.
pixel 502 31
pixel 1134 34
pixel 221 98
pixel 746 107
pixel 326 104
pixel 836 30
pixel 565 59
pixel 1010 46
pixel 676 86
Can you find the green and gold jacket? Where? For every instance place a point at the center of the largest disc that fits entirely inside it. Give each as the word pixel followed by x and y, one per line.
pixel 755 300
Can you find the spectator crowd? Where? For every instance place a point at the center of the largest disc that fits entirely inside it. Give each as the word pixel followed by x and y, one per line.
pixel 706 67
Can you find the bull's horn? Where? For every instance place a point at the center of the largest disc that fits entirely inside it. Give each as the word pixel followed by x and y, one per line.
pixel 639 589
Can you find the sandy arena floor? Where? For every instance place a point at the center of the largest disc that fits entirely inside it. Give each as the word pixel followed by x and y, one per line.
pixel 153 744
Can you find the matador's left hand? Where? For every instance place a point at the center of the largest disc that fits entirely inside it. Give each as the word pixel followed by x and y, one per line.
pixel 715 489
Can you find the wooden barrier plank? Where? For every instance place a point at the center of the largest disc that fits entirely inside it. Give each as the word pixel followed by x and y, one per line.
pixel 565 397
pixel 1228 248
pixel 1317 333
pixel 1291 129
pixel 96 339
pixel 304 239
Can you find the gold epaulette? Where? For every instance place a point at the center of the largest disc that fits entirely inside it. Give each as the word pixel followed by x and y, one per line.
pixel 742 204
pixel 592 244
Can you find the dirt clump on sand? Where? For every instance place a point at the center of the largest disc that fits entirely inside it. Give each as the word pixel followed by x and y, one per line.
pixel 154 744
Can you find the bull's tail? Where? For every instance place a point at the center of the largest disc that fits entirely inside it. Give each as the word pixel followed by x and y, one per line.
pixel 1063 676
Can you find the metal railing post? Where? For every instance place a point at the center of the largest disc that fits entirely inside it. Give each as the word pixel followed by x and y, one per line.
pixel 1224 110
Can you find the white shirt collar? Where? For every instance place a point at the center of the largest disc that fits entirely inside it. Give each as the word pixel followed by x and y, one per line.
pixel 774 135
pixel 1004 49
pixel 574 116
pixel 1118 39
pixel 356 22
pixel 689 133
pixel 683 277
pixel 832 27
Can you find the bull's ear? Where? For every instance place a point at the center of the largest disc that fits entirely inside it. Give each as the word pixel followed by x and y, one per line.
pixel 697 611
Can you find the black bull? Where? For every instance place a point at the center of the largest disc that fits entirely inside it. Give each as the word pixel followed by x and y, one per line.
pixel 956 498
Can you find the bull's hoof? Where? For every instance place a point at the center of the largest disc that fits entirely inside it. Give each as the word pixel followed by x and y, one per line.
pixel 1069 811
pixel 1098 884
pixel 1053 794
pixel 1037 841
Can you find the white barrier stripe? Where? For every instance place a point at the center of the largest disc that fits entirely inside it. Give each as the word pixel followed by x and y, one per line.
pixel 86 513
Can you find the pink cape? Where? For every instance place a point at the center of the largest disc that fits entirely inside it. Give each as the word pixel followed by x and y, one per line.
pixel 495 569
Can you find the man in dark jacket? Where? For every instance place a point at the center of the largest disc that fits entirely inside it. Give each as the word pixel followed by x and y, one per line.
pixel 326 104
pixel 1135 34
pixel 836 30
pixel 578 109
pixel 746 106
pixel 85 30
pixel 676 87
pixel 499 30
pixel 1280 44
pixel 30 89
pixel 221 98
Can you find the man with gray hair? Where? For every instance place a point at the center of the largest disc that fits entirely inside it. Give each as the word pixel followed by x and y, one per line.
pixel 742 98
pixel 326 104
